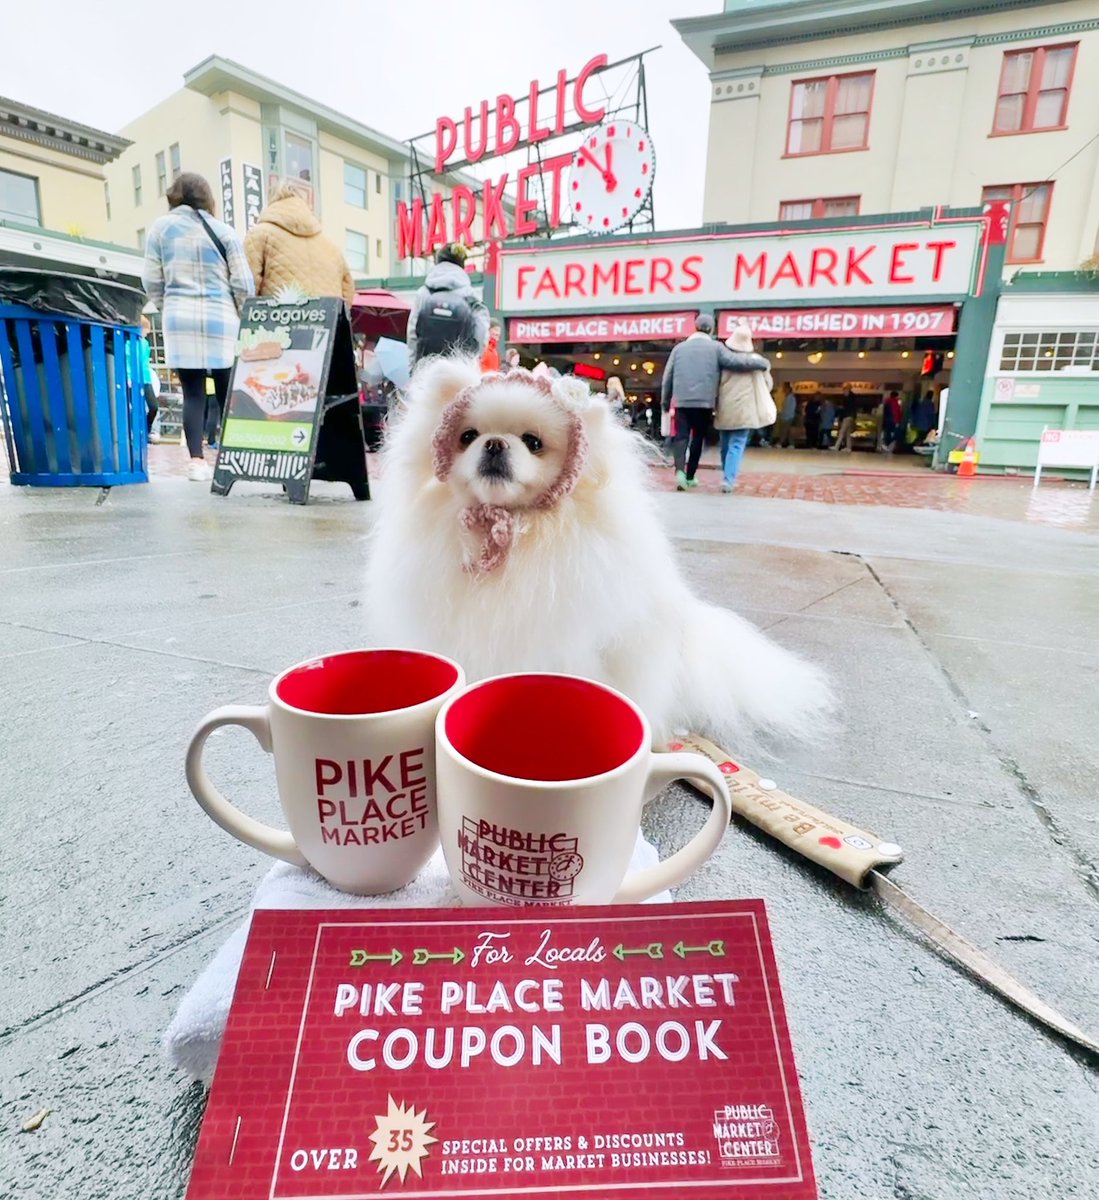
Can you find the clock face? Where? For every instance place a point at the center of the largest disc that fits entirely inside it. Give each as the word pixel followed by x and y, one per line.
pixel 612 174
pixel 565 866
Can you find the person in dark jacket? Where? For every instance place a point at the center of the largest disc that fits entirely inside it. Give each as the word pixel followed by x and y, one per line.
pixel 448 279
pixel 812 423
pixel 691 380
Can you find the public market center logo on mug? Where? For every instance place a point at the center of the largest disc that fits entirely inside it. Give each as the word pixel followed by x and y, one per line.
pixel 353 741
pixel 542 780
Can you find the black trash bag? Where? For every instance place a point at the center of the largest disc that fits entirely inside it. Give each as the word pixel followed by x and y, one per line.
pixel 81 297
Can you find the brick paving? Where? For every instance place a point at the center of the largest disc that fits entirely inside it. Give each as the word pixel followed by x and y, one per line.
pixel 862 480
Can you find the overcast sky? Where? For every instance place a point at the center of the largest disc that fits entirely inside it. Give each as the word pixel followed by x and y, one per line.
pixel 392 64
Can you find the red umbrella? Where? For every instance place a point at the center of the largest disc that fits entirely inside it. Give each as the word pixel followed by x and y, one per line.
pixel 379 314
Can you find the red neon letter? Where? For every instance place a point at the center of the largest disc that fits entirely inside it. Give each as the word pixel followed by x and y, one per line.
pixel 547 284
pixel 896 265
pixel 574 280
pixel 436 228
pixel 604 275
pixel 827 272
pixel 446 138
pixel 660 273
pixel 556 167
pixel 633 287
pixel 475 154
pixel 747 270
pixel 410 229
pixel 590 116
pixel 788 269
pixel 523 203
pixel 492 201
pixel 507 127
pixel 853 261
pixel 695 276
pixel 534 134
pixel 465 209
pixel 562 93
pixel 522 283
pixel 940 249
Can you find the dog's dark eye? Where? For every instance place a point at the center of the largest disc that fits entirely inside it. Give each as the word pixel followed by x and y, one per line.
pixel 469 437
pixel 532 442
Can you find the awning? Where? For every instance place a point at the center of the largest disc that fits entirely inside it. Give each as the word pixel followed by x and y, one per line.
pixel 377 313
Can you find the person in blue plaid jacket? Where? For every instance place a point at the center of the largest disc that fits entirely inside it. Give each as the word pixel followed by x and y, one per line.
pixel 197 275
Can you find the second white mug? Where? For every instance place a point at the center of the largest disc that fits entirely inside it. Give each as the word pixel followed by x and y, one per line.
pixel 541 783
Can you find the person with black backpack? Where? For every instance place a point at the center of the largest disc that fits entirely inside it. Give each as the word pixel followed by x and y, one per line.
pixel 447 317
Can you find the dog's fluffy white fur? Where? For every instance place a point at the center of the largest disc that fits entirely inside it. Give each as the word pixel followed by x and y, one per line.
pixel 590 585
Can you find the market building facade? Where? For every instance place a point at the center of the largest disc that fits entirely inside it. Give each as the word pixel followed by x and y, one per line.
pixel 823 108
pixel 869 305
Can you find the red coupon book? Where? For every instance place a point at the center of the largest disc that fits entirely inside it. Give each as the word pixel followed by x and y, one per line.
pixel 613 1053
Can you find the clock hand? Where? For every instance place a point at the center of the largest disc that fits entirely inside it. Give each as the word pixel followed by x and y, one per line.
pixel 586 153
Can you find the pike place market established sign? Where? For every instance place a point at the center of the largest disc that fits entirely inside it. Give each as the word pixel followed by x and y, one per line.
pixel 931 259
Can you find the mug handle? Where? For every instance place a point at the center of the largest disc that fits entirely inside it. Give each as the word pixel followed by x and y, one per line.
pixel 276 842
pixel 665 769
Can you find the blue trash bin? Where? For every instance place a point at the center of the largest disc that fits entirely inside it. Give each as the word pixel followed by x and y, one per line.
pixel 74 410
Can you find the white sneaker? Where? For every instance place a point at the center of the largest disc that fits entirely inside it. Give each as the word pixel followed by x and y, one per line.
pixel 199 472
pixel 154 439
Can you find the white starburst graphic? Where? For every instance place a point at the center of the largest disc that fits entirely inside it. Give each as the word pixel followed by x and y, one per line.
pixel 401 1140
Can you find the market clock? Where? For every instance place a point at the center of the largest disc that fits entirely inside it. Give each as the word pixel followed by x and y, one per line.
pixel 612 175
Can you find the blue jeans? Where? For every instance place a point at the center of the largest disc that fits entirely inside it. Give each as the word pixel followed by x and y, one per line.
pixel 733 442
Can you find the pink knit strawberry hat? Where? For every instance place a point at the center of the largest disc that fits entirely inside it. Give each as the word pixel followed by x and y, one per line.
pixel 496 522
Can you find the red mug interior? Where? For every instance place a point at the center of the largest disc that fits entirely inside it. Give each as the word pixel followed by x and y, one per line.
pixel 545 727
pixel 366 681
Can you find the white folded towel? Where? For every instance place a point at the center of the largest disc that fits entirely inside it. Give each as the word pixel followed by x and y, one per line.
pixel 193 1038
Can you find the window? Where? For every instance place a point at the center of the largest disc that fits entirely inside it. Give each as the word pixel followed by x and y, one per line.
pixel 1026 232
pixel 378 249
pixel 354 185
pixel 355 246
pixel 107 198
pixel 830 115
pixel 137 185
pixel 378 183
pixel 19 198
pixel 1034 87
pixel 173 154
pixel 299 157
pixel 161 174
pixel 803 210
pixel 1051 350
pixel 141 239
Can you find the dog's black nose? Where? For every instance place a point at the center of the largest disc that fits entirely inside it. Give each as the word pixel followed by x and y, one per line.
pixel 495 447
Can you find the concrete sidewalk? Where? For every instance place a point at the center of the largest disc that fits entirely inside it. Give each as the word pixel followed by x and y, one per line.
pixel 964 652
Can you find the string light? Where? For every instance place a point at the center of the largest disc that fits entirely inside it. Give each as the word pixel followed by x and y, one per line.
pixel 904 354
pixel 615 362
pixel 778 354
pixel 816 356
pixel 862 354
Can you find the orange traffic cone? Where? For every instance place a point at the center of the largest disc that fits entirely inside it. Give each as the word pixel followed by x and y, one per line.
pixel 968 466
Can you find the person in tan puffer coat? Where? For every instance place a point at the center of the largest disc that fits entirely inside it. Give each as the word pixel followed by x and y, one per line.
pixel 286 247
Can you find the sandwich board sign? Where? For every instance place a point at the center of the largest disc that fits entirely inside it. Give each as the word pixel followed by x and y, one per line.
pixel 1069 448
pixel 293 409
pixel 610 1053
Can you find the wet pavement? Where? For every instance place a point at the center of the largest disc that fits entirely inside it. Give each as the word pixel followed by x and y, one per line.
pixel 962 644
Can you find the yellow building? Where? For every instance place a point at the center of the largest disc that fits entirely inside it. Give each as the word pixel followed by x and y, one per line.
pixel 822 108
pixel 246 133
pixel 52 172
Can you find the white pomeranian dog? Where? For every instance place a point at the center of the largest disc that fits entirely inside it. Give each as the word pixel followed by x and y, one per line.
pixel 516 532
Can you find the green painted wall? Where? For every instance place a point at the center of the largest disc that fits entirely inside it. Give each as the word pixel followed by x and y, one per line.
pixel 1008 432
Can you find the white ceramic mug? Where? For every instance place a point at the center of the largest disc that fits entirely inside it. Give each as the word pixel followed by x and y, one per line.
pixel 542 780
pixel 352 736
